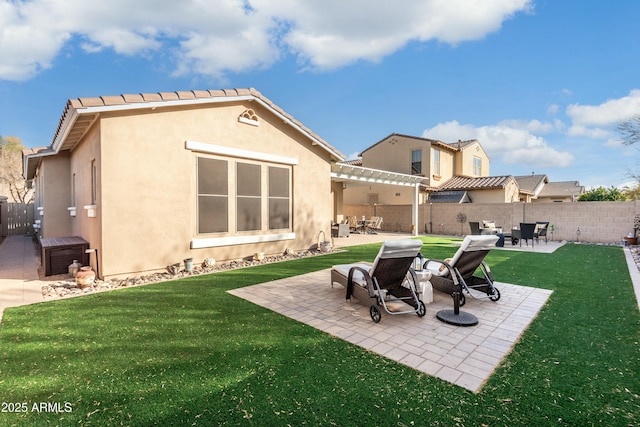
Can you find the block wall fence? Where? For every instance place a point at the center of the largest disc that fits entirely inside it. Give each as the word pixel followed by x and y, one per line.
pixel 597 222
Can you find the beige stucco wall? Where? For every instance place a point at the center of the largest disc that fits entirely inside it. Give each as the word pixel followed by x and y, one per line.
pixel 85 154
pixel 148 201
pixel 53 177
pixel 507 195
pixel 464 160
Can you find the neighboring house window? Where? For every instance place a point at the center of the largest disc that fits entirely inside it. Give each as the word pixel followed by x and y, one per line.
pixel 477 166
pixel 279 198
pixel 248 197
pixel 436 162
pixel 213 196
pixel 416 162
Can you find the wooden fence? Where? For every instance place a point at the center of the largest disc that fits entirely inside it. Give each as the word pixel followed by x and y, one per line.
pixel 16 219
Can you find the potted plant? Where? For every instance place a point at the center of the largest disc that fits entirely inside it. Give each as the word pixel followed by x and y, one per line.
pixel 632 239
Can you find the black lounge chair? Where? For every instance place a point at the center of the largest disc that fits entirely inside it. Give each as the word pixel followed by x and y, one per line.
pixel 456 276
pixel 390 280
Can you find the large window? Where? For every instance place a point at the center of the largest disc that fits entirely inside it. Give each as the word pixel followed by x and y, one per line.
pixel 477 166
pixel 240 196
pixel 416 162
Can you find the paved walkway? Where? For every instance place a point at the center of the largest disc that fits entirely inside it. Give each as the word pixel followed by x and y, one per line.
pixel 19 281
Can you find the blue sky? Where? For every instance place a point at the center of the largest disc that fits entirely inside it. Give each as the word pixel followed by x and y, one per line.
pixel 542 84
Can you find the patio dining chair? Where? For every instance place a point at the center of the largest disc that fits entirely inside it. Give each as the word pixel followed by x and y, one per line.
pixel 475 228
pixel 541 231
pixel 527 232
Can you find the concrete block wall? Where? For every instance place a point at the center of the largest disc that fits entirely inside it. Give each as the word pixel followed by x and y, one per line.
pixel 598 222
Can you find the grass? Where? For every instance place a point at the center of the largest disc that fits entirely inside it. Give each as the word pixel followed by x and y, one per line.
pixel 187 353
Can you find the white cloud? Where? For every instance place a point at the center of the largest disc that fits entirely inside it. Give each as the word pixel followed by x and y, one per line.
pixel 607 113
pixel 511 142
pixel 215 37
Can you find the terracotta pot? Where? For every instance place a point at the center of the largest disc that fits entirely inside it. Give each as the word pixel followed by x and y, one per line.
pixel 85 277
pixel 631 241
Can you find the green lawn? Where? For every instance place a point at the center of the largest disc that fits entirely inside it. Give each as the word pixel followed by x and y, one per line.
pixel 187 353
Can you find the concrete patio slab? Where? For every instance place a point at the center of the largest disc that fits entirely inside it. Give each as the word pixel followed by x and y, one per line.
pixel 465 356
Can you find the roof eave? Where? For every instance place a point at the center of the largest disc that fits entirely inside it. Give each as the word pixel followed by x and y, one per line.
pixel 73 112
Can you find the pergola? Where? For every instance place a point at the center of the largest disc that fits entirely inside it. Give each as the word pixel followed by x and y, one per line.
pixel 342 172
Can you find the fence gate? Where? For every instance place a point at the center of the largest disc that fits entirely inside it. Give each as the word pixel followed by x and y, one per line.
pixel 16 218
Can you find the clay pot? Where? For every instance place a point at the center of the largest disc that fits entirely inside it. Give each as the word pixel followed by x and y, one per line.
pixel 85 277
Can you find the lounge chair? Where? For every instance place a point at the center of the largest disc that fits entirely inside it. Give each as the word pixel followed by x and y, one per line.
pixel 456 275
pixel 389 282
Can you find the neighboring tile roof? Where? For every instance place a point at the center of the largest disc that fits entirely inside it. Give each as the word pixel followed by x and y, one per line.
pixel 562 189
pixel 531 183
pixel 455 146
pixel 432 141
pixel 147 100
pixel 355 162
pixel 450 197
pixel 478 183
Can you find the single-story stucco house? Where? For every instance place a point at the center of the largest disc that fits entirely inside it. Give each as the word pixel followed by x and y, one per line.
pixel 149 180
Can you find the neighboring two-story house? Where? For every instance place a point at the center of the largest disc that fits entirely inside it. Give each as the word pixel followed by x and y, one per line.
pixel 438 162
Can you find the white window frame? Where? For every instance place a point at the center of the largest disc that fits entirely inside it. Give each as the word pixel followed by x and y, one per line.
pixel 234 155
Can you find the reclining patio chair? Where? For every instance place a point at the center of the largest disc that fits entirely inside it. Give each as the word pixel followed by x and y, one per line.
pixel 456 276
pixel 389 282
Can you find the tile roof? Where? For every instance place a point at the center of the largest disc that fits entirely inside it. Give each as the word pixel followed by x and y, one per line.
pixel 72 128
pixel 562 189
pixel 355 162
pixel 455 146
pixel 531 183
pixel 450 197
pixel 477 183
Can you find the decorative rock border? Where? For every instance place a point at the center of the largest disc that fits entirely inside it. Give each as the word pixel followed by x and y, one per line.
pixel 69 288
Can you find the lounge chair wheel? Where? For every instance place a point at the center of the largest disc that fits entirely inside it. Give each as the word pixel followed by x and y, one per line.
pixel 495 295
pixel 375 313
pixel 422 310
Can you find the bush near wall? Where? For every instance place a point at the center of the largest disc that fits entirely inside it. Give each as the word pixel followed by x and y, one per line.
pixel 598 222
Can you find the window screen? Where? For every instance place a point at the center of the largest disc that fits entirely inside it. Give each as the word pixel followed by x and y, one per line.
pixel 279 198
pixel 213 195
pixel 248 200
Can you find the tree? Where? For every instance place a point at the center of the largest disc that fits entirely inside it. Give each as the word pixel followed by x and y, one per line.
pixel 630 130
pixel 11 178
pixel 602 194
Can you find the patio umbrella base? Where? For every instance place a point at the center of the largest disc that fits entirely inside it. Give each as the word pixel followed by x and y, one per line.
pixel 459 319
